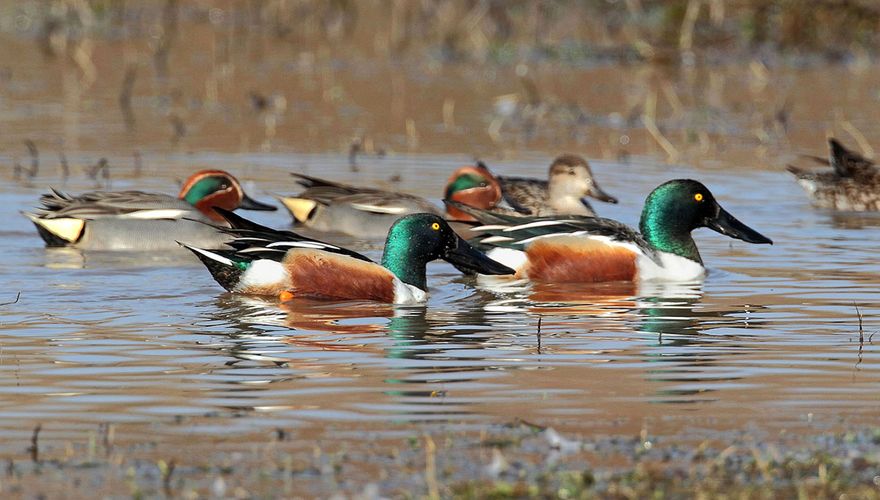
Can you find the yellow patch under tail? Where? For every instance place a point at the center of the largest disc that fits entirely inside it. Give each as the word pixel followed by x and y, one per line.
pixel 300 208
pixel 67 229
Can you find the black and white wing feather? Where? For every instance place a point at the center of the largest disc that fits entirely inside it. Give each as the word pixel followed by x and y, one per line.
pixel 253 241
pixel 516 232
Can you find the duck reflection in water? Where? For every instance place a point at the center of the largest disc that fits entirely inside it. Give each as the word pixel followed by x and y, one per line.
pixel 407 343
pixel 664 308
pixel 688 364
pixel 601 299
pixel 854 220
pixel 353 325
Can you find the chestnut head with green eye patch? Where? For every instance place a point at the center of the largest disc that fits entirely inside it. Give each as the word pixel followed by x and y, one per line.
pixel 207 189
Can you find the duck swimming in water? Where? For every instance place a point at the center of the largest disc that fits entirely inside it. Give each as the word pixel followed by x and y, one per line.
pixel 136 220
pixel 577 249
pixel 357 211
pixel 569 181
pixel 263 261
pixel 852 185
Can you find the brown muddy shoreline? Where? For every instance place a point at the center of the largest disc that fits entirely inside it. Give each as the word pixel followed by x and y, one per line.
pixel 514 460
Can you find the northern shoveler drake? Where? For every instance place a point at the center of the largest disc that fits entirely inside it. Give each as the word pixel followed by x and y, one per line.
pixel 852 185
pixel 135 220
pixel 263 261
pixel 591 249
pixel 357 211
pixel 570 180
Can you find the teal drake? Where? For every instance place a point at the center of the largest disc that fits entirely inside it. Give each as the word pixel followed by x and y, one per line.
pixel 569 182
pixel 578 249
pixel 852 185
pixel 286 265
pixel 135 220
pixel 475 186
pixel 357 211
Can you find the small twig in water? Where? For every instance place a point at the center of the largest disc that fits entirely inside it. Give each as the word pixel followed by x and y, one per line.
pixel 178 128
pixel 138 164
pixel 649 119
pixel 102 166
pixel 539 333
pixel 65 167
pixel 258 101
pixel 861 337
pixel 17 296
pixel 353 151
pixel 167 38
pixel 431 468
pixel 280 434
pixel 166 479
pixel 18 169
pixel 125 97
pixel 35 157
pixel 35 445
pixel 861 329
pixel 108 432
pixel 530 425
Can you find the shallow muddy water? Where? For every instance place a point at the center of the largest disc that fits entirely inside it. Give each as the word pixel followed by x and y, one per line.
pixel 152 348
pixel 152 343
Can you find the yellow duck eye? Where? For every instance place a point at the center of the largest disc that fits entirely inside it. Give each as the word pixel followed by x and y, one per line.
pixel 435 226
pixel 698 196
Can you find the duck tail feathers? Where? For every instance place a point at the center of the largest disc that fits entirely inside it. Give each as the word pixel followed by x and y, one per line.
pixel 845 162
pixel 308 181
pixel 797 172
pixel 225 271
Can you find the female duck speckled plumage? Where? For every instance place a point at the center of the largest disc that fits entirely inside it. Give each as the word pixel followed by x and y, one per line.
pixel 135 220
pixel 593 249
pixel 287 265
pixel 852 185
pixel 570 180
pixel 357 211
